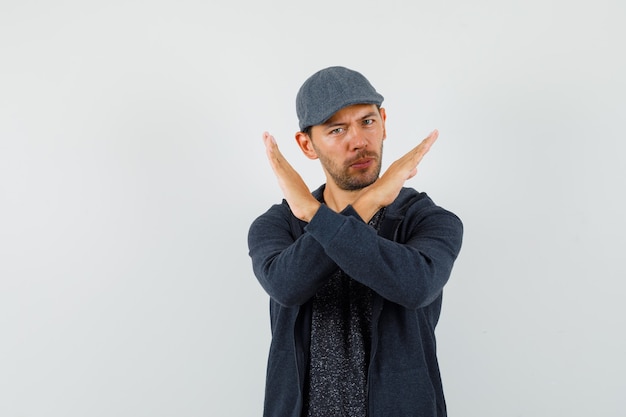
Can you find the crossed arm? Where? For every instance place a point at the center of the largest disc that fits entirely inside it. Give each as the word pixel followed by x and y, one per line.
pixel 411 273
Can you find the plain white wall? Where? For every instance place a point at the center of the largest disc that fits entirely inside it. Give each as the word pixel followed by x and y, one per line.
pixel 131 165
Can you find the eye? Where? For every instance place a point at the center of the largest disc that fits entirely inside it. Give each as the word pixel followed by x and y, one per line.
pixel 337 131
pixel 368 122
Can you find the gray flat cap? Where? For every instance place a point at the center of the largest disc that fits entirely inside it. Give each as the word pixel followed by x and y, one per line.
pixel 330 90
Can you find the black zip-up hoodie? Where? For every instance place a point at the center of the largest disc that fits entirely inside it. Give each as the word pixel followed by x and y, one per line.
pixel 406 264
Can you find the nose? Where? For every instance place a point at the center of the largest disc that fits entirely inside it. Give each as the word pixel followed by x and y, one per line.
pixel 357 139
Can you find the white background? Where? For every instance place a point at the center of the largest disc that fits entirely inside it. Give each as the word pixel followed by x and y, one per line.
pixel 131 165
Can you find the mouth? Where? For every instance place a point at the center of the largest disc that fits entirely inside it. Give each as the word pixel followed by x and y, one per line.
pixel 362 163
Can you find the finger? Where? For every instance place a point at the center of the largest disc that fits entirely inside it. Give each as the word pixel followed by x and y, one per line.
pixel 422 149
pixel 271 149
pixel 272 152
pixel 270 142
pixel 432 137
pixel 277 161
pixel 429 140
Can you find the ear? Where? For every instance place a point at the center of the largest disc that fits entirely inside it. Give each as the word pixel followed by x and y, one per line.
pixel 305 144
pixel 383 116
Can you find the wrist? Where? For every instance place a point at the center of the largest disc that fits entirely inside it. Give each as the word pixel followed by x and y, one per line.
pixel 311 211
pixel 367 204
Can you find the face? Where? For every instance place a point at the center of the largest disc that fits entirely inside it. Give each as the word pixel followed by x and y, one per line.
pixel 349 145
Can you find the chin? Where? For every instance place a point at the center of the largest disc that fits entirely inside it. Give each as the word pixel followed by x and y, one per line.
pixel 355 186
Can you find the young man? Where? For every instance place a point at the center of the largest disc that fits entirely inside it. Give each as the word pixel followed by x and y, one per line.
pixel 354 270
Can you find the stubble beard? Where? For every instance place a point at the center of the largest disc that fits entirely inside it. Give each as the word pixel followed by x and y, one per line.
pixel 349 181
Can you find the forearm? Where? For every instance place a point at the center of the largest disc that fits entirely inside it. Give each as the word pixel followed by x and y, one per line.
pixel 411 274
pixel 290 270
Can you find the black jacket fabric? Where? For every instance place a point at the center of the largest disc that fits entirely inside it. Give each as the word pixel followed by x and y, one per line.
pixel 407 263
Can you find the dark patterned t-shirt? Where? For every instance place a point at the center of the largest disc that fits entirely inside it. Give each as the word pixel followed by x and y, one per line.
pixel 336 384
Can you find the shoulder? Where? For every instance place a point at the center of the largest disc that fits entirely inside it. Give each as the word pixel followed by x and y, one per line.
pixel 280 216
pixel 279 212
pixel 415 205
pixel 409 200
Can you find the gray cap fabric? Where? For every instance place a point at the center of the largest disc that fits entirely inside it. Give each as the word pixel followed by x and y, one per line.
pixel 330 90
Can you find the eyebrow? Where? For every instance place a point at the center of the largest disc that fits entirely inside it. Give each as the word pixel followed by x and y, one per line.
pixel 331 123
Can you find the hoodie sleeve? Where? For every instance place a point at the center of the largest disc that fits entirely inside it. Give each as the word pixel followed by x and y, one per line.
pixel 289 268
pixel 410 272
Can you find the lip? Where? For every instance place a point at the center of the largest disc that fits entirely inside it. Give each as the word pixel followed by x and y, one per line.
pixel 362 163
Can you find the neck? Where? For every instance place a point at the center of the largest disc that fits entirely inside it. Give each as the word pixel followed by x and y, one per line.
pixel 338 199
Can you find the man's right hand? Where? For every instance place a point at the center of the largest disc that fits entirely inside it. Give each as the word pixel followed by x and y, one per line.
pixel 301 202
